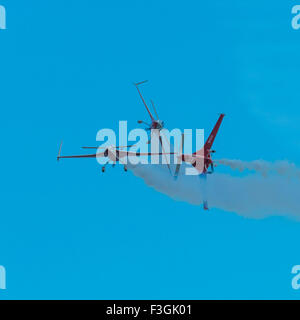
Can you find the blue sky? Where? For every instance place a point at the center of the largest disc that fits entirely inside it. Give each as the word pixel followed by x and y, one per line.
pixel 67 67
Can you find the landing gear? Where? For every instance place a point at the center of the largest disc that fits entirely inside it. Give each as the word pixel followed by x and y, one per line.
pixel 113 165
pixel 103 168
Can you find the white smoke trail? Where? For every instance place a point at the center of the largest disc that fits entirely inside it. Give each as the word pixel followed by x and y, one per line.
pixel 283 168
pixel 251 196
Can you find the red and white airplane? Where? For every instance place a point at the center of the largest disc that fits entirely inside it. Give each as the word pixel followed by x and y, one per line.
pixel 113 153
pixel 201 160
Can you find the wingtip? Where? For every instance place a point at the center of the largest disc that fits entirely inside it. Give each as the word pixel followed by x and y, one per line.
pixel 141 82
pixel 59 151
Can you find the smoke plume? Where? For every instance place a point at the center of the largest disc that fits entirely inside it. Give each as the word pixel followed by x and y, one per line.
pixel 283 168
pixel 253 196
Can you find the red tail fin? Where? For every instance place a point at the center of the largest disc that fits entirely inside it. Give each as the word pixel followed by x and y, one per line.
pixel 209 142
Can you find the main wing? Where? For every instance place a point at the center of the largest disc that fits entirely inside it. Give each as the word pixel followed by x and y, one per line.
pixel 95 155
pixel 123 154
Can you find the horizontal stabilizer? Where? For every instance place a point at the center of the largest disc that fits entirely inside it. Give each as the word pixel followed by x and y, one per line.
pixel 141 82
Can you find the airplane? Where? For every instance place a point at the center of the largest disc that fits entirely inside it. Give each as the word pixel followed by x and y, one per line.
pixel 155 123
pixel 204 154
pixel 113 153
